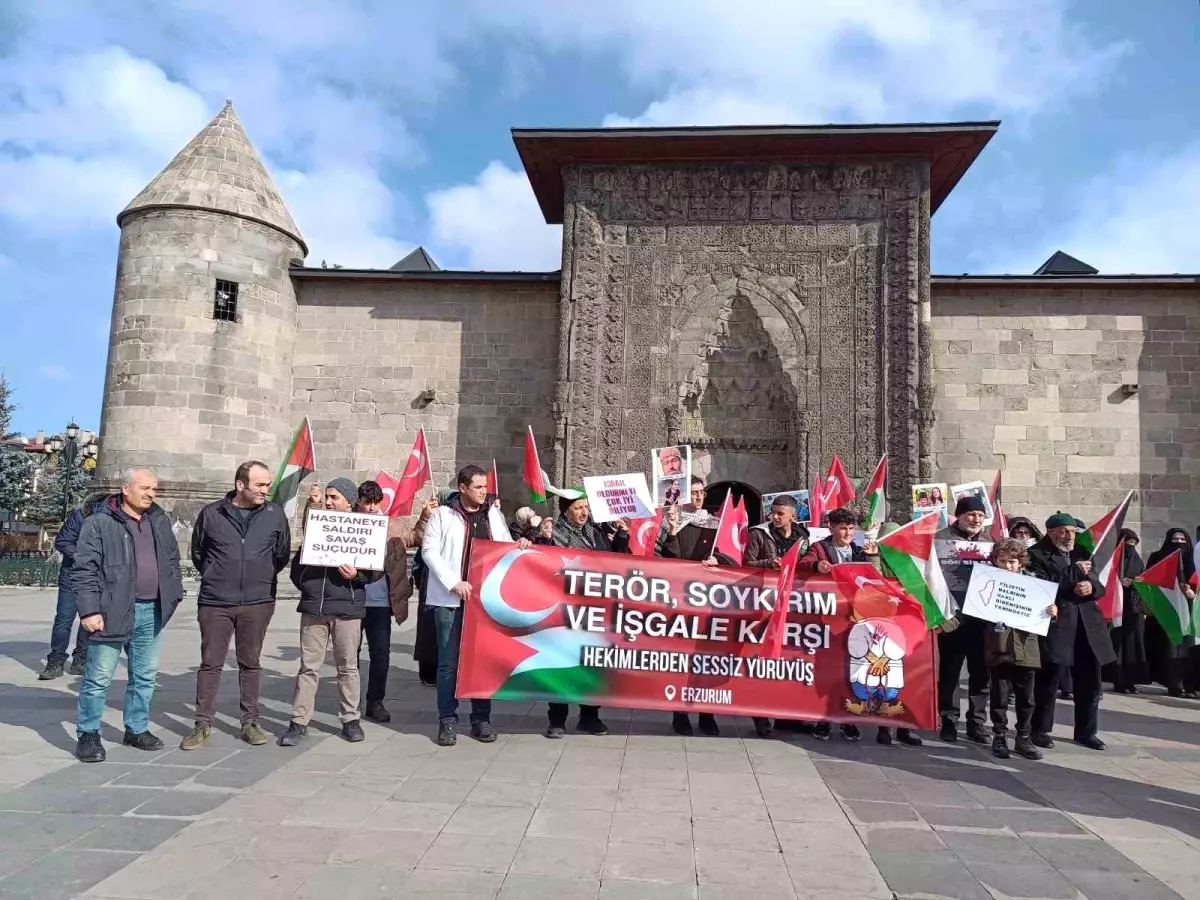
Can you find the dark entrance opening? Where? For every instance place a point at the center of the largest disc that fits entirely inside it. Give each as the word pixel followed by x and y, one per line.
pixel 715 496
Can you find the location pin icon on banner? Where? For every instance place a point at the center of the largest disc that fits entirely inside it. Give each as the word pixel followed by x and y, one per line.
pixel 669 691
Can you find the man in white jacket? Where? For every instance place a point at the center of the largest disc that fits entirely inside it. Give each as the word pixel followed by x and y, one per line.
pixel 446 551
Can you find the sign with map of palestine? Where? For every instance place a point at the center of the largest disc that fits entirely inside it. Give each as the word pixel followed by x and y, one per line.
pixel 556 624
pixel 1016 600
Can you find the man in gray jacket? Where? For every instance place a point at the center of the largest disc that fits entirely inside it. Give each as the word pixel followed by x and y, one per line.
pixel 127 584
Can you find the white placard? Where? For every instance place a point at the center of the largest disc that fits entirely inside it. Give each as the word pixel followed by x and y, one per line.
pixel 1018 601
pixel 671 470
pixel 612 497
pixel 973 489
pixel 333 538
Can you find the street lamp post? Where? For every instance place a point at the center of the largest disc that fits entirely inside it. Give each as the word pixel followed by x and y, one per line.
pixel 69 451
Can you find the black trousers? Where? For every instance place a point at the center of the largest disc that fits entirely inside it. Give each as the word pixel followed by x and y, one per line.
pixel 377 627
pixel 1018 681
pixel 1086 677
pixel 965 643
pixel 557 714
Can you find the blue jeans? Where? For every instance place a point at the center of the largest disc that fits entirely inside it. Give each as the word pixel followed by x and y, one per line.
pixel 142 652
pixel 65 614
pixel 449 636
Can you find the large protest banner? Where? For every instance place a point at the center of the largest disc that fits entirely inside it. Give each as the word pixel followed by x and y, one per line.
pixel 555 624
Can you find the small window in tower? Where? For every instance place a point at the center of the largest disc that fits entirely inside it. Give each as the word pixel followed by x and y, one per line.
pixel 225 301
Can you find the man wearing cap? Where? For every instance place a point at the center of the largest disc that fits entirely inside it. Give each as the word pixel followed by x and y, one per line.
pixel 961 637
pixel 1077 641
pixel 333 603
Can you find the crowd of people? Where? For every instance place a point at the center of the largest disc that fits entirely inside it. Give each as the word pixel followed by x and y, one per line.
pixel 121 577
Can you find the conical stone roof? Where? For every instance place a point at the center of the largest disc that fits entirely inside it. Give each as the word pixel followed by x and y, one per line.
pixel 219 170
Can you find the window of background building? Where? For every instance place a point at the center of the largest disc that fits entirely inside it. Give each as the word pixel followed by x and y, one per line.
pixel 225 301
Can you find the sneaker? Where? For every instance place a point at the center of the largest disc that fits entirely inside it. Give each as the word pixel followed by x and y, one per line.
pixel 1092 743
pixel 197 737
pixel 978 734
pixel 89 749
pixel 884 736
pixel 1000 747
pixel 253 734
pixel 483 732
pixel 377 712
pixel 908 737
pixel 851 733
pixel 555 732
pixel 592 726
pixel 143 741
pixel 822 731
pixel 447 734
pixel 1042 740
pixel 294 735
pixel 352 731
pixel 1025 748
pixel 53 670
pixel 949 731
pixel 681 725
pixel 707 723
pixel 762 727
pixel 78 664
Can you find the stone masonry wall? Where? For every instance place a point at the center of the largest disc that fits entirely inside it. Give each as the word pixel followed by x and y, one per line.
pixel 366 350
pixel 1029 379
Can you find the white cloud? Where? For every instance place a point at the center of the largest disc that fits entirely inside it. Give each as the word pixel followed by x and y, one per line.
pixel 54 373
pixel 494 223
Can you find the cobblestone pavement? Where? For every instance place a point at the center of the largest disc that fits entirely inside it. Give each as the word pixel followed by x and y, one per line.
pixel 638 814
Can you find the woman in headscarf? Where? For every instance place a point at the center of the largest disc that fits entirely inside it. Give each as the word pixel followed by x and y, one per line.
pixel 1169 662
pixel 1022 529
pixel 1128 638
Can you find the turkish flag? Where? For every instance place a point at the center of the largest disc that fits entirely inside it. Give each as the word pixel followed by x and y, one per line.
pixel 837 472
pixel 643 534
pixel 833 497
pixel 388 485
pixel 816 504
pixel 493 481
pixel 733 530
pixel 773 639
pixel 416 475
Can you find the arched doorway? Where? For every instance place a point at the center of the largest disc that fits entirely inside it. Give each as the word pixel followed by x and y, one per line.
pixel 715 495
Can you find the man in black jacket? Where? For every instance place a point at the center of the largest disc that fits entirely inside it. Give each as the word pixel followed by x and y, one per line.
pixel 67 611
pixel 1078 640
pixel 239 546
pixel 127 583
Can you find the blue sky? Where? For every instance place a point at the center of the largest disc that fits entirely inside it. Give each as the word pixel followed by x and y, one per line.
pixel 385 125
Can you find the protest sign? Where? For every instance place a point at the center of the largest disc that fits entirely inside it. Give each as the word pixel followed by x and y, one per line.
pixel 671 470
pixel 803 510
pixel 927 498
pixel 973 489
pixel 613 497
pixel 1016 600
pixel 571 626
pixel 333 538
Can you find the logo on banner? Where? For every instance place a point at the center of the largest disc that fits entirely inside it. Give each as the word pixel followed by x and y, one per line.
pixel 876 648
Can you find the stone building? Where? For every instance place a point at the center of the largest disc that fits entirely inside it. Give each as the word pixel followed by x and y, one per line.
pixel 762 294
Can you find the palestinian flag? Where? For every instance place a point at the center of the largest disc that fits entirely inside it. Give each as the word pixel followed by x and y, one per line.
pixel 909 552
pixel 837 472
pixel 535 478
pixel 1103 542
pixel 877 508
pixel 299 463
pixel 999 520
pixel 1160 590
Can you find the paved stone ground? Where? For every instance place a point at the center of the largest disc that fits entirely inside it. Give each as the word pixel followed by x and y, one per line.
pixel 638 814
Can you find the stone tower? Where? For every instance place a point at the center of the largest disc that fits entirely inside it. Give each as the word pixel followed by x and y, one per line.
pixel 204 322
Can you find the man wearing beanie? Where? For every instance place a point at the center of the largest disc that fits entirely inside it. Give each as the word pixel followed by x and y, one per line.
pixel 333 602
pixel 961 637
pixel 1078 641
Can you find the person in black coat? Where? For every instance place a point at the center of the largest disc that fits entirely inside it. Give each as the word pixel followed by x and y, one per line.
pixel 1171 664
pixel 1078 639
pixel 1128 638
pixel 66 610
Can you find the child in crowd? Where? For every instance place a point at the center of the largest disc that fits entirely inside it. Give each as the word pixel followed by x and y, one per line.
pixel 1012 657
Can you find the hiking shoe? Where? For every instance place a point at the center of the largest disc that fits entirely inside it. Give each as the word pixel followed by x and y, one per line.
pixel 884 737
pixel 483 732
pixel 822 731
pixel 352 731
pixel 949 731
pixel 377 712
pixel 1026 749
pixel 1042 740
pixel 89 749
pixel 555 732
pixel 53 670
pixel 143 741
pixel 78 664
pixel 447 734
pixel 197 737
pixel 707 723
pixel 1000 747
pixel 908 737
pixel 681 725
pixel 763 728
pixel 592 725
pixel 294 735
pixel 851 733
pixel 253 734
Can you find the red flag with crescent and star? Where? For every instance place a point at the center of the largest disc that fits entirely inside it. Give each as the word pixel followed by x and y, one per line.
pixel 388 485
pixel 733 530
pixel 643 534
pixel 416 475
pixel 773 640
